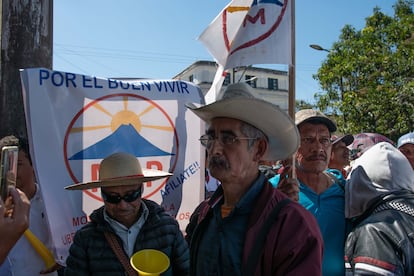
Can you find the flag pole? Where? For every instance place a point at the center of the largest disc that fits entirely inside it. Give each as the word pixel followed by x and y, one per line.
pixel 292 77
pixel 292 66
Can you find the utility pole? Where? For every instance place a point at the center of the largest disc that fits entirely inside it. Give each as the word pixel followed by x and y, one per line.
pixel 26 41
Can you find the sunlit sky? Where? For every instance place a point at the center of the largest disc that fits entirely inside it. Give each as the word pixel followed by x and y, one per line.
pixel 158 38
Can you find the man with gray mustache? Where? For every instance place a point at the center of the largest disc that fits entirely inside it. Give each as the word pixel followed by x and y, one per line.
pixel 216 161
pixel 247 227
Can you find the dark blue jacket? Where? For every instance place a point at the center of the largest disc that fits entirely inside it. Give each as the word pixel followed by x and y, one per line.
pixel 90 253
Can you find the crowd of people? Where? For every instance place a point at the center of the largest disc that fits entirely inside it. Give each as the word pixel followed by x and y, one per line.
pixel 318 213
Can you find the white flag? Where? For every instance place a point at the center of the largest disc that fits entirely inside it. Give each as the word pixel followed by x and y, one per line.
pixel 218 36
pixel 215 88
pixel 250 32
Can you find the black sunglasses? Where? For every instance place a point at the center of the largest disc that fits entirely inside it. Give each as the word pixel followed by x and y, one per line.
pixel 115 199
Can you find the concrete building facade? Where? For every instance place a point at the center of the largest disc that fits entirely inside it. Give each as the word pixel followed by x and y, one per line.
pixel 270 85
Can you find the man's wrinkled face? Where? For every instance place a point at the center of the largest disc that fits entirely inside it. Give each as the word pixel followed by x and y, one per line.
pixel 229 158
pixel 315 148
pixel 408 151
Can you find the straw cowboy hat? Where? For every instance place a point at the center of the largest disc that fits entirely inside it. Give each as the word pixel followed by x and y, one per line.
pixel 120 169
pixel 239 102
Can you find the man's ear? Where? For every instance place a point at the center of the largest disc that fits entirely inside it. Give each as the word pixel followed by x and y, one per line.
pixel 261 149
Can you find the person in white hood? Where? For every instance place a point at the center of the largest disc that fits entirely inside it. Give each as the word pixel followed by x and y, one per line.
pixel 379 199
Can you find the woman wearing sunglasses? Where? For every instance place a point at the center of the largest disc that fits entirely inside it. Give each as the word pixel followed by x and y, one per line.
pixel 125 224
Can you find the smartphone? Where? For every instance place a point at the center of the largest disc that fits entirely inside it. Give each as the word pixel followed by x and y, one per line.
pixel 8 169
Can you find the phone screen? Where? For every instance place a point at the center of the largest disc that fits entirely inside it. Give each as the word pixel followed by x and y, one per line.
pixel 8 169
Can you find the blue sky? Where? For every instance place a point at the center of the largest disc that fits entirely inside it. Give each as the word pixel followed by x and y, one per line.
pixel 157 38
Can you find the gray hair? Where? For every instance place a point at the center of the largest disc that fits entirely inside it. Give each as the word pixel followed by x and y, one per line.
pixel 251 131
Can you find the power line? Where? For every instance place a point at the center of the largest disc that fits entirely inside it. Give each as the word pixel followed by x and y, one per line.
pixel 124 54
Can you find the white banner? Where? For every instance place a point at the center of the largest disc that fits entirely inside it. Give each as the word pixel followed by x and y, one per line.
pixel 74 121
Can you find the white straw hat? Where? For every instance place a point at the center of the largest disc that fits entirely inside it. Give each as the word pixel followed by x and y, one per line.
pixel 239 102
pixel 120 169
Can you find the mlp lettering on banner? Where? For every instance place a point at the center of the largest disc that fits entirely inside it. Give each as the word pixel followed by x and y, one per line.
pixel 74 121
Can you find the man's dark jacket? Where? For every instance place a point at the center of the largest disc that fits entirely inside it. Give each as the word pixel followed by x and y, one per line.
pixel 90 253
pixel 293 245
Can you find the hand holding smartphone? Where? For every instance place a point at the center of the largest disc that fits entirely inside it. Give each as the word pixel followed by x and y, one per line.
pixel 8 169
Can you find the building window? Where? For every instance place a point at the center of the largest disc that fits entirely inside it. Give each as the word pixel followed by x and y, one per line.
pixel 251 80
pixel 191 78
pixel 227 79
pixel 273 84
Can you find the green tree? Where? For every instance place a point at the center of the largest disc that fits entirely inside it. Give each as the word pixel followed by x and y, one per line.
pixel 368 76
pixel 301 104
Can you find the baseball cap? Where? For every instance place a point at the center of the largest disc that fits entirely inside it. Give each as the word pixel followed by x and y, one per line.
pixel 406 139
pixel 310 115
pixel 347 139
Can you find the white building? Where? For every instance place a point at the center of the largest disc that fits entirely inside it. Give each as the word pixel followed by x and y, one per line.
pixel 271 85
